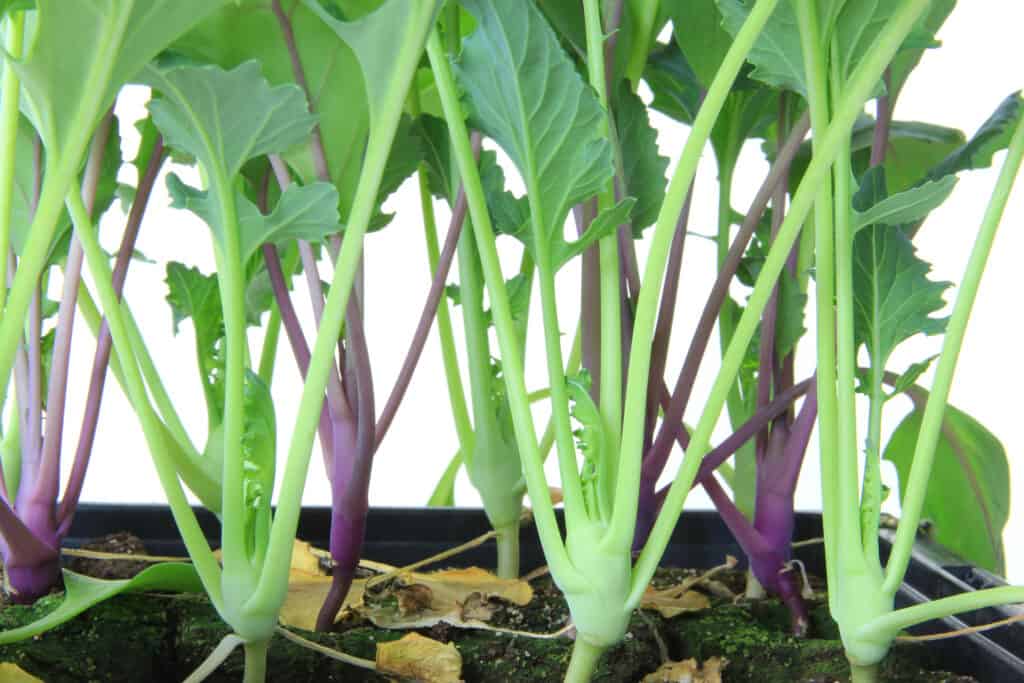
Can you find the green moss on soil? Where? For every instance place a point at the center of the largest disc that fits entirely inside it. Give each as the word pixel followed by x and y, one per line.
pixel 162 638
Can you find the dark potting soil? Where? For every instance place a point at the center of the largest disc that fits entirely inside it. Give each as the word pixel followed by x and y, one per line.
pixel 151 637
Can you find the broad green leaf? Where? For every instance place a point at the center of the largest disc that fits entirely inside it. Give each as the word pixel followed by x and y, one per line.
pixel 82 592
pixel 914 149
pixel 698 32
pixel 789 328
pixel 373 37
pixel 509 214
pixel 643 167
pixel 776 56
pixel 112 39
pixel 248 30
pixel 993 136
pixel 568 20
pixel 909 206
pixel 747 113
pixel 224 118
pixel 24 189
pixel 677 93
pixel 7 6
pixel 407 151
pixel 907 59
pixel 304 212
pixel 893 298
pixel 968 497
pixel 856 27
pixel 524 92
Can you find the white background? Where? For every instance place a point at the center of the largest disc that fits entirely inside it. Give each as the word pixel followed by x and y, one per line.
pixel 959 86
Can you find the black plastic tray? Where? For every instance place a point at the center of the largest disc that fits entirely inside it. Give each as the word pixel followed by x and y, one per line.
pixel 405 535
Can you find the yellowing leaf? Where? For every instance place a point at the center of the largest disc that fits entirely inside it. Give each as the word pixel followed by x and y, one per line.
pixel 688 671
pixel 12 673
pixel 421 659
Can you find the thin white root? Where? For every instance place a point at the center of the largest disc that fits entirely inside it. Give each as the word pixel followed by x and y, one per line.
pixel 326 651
pixel 216 658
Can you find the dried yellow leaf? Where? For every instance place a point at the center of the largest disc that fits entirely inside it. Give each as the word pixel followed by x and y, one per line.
pixel 671 602
pixel 421 659
pixel 458 597
pixel 308 586
pixel 687 671
pixel 12 673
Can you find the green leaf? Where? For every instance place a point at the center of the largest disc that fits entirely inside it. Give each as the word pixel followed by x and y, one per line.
pixel 524 92
pixel 248 30
pixel 643 167
pixel 304 212
pixel 893 297
pixel 194 295
pixel 224 118
pixel 777 58
pixel 8 6
pixel 914 149
pixel 909 378
pixel 568 20
pixel 113 40
pixel 444 492
pixel 789 328
pixel 258 447
pixel 968 497
pixel 372 38
pixel 606 223
pixel 698 31
pixel 82 592
pixel 910 206
pixel 993 136
pixel 677 93
pixel 907 59
pixel 407 151
pixel 856 27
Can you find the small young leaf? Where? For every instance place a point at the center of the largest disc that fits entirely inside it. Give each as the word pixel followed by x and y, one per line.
pixel 303 212
pixel 909 378
pixel 643 167
pixel 893 297
pixel 606 223
pixel 910 206
pixel 258 449
pixel 968 498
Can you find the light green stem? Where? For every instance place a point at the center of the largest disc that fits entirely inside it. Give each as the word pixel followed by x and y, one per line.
pixel 646 14
pixel 817 88
pixel 188 526
pixel 268 352
pixel 859 89
pixel 256 661
pixel 620 532
pixel 239 574
pixel 508 338
pixel 584 661
pixel 508 550
pixel 456 391
pixel 9 122
pixel 931 422
pixel 846 349
pixel 611 296
pixel 898 620
pixel 273 583
pixel 863 674
pixel 62 168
